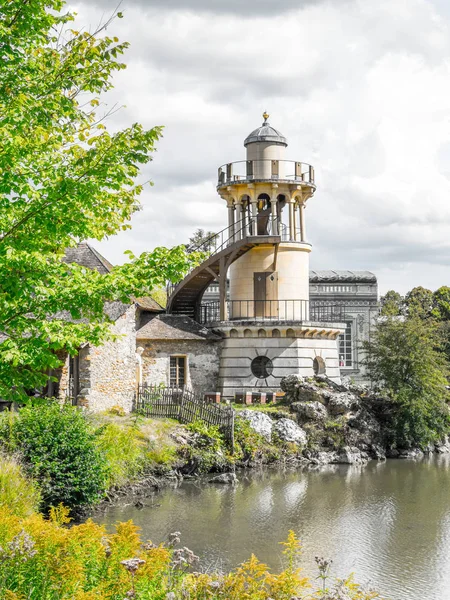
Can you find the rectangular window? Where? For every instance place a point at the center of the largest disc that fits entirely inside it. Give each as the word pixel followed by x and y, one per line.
pixel 346 347
pixel 178 371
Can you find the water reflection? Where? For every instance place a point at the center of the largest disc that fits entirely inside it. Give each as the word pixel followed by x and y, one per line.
pixel 389 523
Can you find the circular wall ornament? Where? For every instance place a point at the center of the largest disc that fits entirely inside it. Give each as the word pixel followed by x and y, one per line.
pixel 262 367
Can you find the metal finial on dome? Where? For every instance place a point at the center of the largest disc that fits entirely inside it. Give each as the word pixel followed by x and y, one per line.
pixel 265 116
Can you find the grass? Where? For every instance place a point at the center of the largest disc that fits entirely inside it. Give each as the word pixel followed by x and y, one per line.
pixel 17 492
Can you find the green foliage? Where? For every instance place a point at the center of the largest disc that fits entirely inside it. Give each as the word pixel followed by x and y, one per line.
pixel 59 449
pixel 123 449
pixel 441 304
pixel 206 449
pixel 251 446
pixel 17 492
pixel 419 303
pixel 392 304
pixel 406 359
pixel 63 178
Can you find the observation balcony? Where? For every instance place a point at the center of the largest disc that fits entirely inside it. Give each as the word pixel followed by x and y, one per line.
pixel 272 311
pixel 248 171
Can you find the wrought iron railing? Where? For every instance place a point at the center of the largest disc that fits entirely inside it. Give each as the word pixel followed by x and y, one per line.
pixel 265 169
pixel 272 310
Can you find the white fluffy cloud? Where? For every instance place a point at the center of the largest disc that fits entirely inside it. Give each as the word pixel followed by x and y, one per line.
pixel 359 88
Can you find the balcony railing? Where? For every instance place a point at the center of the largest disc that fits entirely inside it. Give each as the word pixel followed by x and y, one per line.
pixel 272 310
pixel 265 169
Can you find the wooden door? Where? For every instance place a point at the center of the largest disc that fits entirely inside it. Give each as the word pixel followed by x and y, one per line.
pixel 265 294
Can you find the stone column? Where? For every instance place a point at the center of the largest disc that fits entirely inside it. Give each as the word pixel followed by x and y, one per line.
pixel 295 221
pixel 302 223
pixel 273 207
pixel 238 225
pixel 254 227
pixel 291 220
pixel 230 219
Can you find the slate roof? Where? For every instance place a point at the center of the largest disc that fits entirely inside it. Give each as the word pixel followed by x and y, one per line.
pixel 342 277
pixel 85 255
pixel 174 327
pixel 148 303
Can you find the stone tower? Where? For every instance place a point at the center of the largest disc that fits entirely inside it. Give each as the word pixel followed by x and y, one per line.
pixel 269 331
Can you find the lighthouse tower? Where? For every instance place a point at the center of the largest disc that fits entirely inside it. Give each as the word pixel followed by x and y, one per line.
pixel 268 327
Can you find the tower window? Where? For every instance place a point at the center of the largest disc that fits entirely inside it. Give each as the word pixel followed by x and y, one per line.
pixel 262 367
pixel 319 366
pixel 346 347
pixel 178 371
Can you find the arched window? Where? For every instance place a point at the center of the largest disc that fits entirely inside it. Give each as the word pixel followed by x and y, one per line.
pixel 247 333
pixel 262 333
pixel 290 333
pixel 276 333
pixel 319 366
pixel 234 333
pixel 262 367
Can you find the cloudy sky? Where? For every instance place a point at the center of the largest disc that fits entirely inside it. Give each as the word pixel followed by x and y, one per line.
pixel 360 88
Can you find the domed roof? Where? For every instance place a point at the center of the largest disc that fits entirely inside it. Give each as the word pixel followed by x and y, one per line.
pixel 266 133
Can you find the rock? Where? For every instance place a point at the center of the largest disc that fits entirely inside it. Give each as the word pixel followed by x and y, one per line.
pixel 369 429
pixel 318 457
pixel 378 452
pixel 392 453
pixel 410 453
pixel 443 446
pixel 310 411
pixel 288 431
pixel 428 449
pixel 225 478
pixel 290 384
pixel 259 422
pixel 349 455
pixel 342 403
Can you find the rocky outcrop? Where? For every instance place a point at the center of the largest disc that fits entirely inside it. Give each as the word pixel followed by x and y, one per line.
pixel 288 431
pixel 259 422
pixel 342 403
pixel 309 411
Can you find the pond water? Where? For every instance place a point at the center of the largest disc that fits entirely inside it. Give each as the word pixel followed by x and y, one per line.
pixel 389 523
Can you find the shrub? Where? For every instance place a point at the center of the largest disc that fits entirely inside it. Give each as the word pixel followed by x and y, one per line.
pixel 123 449
pixel 20 494
pixel 60 452
pixel 206 449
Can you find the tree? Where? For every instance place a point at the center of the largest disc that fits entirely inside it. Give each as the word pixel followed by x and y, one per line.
pixel 203 241
pixel 419 303
pixel 405 358
pixel 63 178
pixel 392 304
pixel 441 304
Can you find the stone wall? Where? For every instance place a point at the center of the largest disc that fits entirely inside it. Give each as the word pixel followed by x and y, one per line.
pixel 202 362
pixel 108 372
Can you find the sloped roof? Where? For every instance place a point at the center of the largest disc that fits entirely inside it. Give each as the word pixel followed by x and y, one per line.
pixel 342 277
pixel 265 133
pixel 148 303
pixel 85 255
pixel 174 327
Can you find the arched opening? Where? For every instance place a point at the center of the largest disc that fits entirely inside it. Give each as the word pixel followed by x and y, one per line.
pixel 262 367
pixel 319 366
pixel 276 333
pixel 290 333
pixel 262 333
pixel 248 333
pixel 234 333
pixel 263 216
